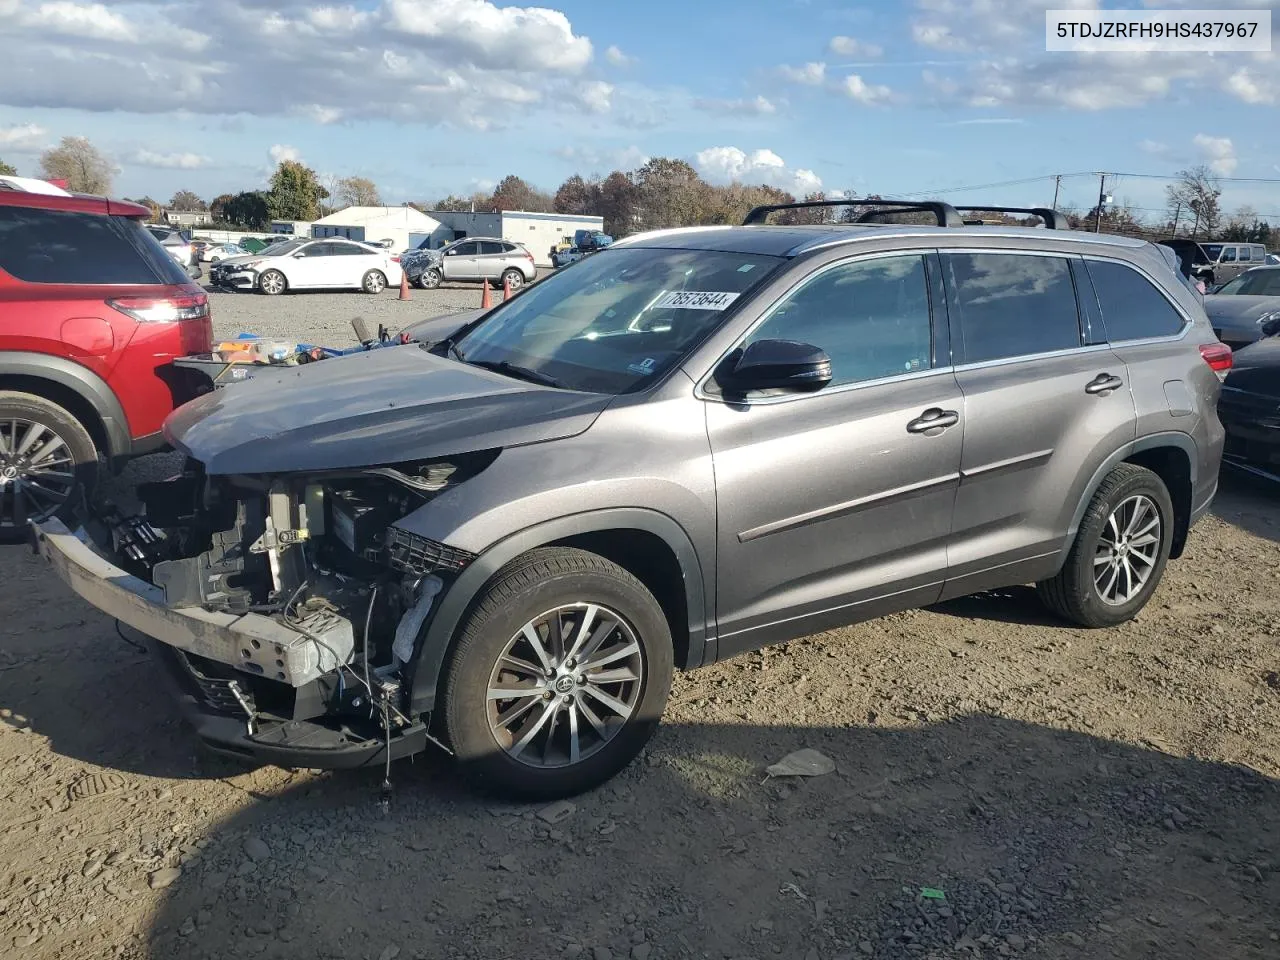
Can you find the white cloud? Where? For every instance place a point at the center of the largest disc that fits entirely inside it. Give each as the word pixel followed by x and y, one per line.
pixel 811 74
pixel 1218 152
pixel 592 160
pixel 851 47
pixel 1249 88
pixel 987 122
pixel 938 36
pixel 752 106
pixel 868 94
pixel 463 62
pixel 730 164
pixel 168 161
pixel 1153 147
pixel 22 137
pixel 280 152
pixel 619 59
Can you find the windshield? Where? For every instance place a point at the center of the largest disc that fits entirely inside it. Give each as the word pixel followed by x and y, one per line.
pixel 1213 251
pixel 1254 283
pixel 615 322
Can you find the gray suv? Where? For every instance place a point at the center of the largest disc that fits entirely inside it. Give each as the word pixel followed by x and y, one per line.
pixel 505 538
pixel 488 259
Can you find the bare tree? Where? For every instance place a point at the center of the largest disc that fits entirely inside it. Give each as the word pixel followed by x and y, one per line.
pixel 187 200
pixel 1195 196
pixel 357 192
pixel 78 162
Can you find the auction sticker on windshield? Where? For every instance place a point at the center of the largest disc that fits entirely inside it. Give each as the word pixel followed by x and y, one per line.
pixel 694 300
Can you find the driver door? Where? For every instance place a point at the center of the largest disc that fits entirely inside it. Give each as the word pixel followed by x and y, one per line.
pixel 459 262
pixel 308 266
pixel 836 505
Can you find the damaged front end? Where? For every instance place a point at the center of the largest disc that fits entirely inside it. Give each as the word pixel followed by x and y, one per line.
pixel 287 607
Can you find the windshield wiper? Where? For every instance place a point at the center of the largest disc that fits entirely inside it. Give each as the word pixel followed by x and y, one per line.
pixel 515 370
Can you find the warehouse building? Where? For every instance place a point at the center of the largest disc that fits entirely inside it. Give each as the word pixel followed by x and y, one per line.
pixel 536 232
pixel 376 224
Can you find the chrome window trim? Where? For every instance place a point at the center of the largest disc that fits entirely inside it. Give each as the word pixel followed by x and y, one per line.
pixel 700 392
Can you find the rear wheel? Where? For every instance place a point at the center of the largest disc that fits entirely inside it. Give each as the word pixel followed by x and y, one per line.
pixel 558 677
pixel 375 281
pixel 47 461
pixel 1119 554
pixel 272 283
pixel 513 279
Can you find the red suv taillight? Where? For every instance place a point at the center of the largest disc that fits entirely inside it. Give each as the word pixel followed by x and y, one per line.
pixel 1217 356
pixel 162 309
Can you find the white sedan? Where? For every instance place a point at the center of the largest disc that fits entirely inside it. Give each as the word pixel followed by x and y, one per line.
pixel 332 264
pixel 212 254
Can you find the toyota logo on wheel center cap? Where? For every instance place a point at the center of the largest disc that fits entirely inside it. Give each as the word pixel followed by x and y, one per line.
pixel 564 684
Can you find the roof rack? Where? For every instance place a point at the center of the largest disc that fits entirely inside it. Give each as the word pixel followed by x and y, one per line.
pixel 945 213
pixel 1053 220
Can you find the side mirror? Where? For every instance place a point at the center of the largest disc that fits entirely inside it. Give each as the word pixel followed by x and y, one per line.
pixel 299 255
pixel 775 365
pixel 450 253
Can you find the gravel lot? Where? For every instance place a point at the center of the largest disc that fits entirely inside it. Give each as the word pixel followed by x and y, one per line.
pixel 1073 794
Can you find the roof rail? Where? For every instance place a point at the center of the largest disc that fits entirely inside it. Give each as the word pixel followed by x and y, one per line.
pixel 1053 220
pixel 946 215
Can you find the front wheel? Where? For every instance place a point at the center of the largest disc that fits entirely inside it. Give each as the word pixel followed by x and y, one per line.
pixel 1119 554
pixel 272 283
pixel 375 281
pixel 558 677
pixel 48 461
pixel 431 279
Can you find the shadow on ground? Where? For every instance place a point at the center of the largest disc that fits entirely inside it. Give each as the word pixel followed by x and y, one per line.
pixel 1249 503
pixel 1042 842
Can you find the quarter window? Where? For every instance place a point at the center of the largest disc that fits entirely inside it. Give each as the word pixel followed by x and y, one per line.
pixel 62 246
pixel 870 316
pixel 1011 305
pixel 490 247
pixel 1132 309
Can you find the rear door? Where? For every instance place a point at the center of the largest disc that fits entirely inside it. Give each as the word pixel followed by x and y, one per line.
pixel 350 263
pixel 459 262
pixel 491 259
pixel 1045 402
pixel 836 505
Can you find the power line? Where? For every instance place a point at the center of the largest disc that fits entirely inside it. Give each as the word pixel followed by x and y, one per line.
pixel 1064 176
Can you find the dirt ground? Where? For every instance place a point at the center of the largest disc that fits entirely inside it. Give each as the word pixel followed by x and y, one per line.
pixel 1070 793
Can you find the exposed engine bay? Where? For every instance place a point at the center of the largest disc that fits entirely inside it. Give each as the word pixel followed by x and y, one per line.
pixel 344 593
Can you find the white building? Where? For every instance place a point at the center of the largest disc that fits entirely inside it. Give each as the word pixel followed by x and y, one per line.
pixel 537 232
pixel 372 224
pixel 291 228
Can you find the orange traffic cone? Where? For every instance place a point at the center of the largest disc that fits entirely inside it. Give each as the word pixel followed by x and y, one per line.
pixel 485 302
pixel 506 289
pixel 404 287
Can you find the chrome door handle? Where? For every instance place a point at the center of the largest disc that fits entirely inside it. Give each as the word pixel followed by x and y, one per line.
pixel 1103 383
pixel 935 418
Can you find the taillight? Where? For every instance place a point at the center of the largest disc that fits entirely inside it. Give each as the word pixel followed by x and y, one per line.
pixel 395 259
pixel 1217 356
pixel 162 309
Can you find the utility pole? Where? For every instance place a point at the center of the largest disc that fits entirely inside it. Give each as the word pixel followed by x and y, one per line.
pixel 1057 184
pixel 1102 196
pixel 1177 214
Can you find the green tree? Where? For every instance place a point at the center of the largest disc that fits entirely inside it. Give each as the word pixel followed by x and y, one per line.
pixel 452 203
pixel 670 194
pixel 150 204
pixel 578 196
pixel 357 192
pixel 8 169
pixel 619 204
pixel 295 192
pixel 250 210
pixel 186 200
pixel 78 162
pixel 217 207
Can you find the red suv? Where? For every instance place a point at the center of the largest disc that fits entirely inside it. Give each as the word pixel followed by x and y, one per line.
pixel 92 311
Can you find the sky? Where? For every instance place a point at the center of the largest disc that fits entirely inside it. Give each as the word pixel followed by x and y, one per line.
pixel 430 97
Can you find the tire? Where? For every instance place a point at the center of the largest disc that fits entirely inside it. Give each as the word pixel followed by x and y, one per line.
pixel 431 279
pixel 513 279
pixel 272 283
pixel 52 422
pixel 375 281
pixel 565 585
pixel 418 282
pixel 1077 593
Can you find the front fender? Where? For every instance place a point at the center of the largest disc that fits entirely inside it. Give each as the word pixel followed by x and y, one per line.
pixel 434 645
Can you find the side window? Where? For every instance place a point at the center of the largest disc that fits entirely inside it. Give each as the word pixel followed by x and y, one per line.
pixel 870 316
pixel 465 249
pixel 1132 309
pixel 509 248
pixel 59 246
pixel 490 247
pixel 346 250
pixel 1257 254
pixel 1011 305
pixel 1229 255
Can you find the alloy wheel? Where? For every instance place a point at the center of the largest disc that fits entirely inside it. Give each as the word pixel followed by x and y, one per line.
pixel 1128 550
pixel 374 282
pixel 565 685
pixel 272 282
pixel 37 472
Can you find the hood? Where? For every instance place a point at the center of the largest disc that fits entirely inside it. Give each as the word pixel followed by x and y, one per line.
pixel 1238 308
pixel 385 406
pixel 435 329
pixel 1256 368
